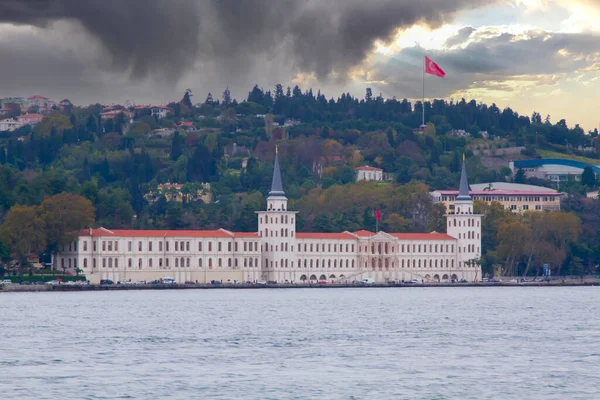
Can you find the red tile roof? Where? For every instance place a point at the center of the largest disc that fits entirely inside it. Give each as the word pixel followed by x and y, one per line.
pixel 245 234
pixel 220 233
pixel 502 192
pixel 367 168
pixel 364 233
pixel 422 236
pixel 331 236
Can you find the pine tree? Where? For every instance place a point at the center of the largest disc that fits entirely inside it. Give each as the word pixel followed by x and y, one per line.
pixel 176 146
pixel 227 96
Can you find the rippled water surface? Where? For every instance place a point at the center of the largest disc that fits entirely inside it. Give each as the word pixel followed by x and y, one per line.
pixel 362 343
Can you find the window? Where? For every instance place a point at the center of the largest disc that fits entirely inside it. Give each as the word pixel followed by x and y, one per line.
pixel 104 263
pixel 176 245
pixel 245 245
pixel 220 264
pixel 116 263
pixel 85 246
pixel 140 263
pixel 160 264
pixel 139 246
pixel 150 246
pixel 176 261
pixel 220 247
pixel 109 263
pixel 85 263
pixel 150 263
pixel 128 246
pixel 94 245
pixel 167 248
pixel 159 246
pixel 116 246
pixel 167 262
pixel 187 246
pixel 103 245
pixel 181 246
pixel 209 246
pixel 94 263
pixel 129 263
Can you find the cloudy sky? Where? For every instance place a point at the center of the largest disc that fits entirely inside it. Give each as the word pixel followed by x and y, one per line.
pixel 531 55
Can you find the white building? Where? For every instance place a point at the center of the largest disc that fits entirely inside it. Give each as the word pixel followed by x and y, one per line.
pixel 277 252
pixel 9 124
pixel 366 173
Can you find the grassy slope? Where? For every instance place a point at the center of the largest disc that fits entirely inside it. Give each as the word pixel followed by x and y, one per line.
pixel 553 154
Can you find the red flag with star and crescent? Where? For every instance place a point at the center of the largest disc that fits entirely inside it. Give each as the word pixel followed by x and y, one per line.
pixel 432 68
pixel 377 214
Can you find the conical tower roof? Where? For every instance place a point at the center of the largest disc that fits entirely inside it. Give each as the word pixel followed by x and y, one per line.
pixel 463 190
pixel 276 185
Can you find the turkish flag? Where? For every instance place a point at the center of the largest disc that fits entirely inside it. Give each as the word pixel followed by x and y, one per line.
pixel 377 215
pixel 432 68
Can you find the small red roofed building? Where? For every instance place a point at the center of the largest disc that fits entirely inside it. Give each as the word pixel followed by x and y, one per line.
pixel 366 173
pixel 30 119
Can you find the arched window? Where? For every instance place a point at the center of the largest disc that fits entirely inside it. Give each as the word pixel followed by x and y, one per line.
pixel 85 263
pixel 182 262
pixel 129 262
pixel 140 263
pixel 352 263
pixel 229 262
pixel 176 261
pixel 109 262
pixel 187 262
pixel 150 263
pixel 200 262
pixel 220 263
pixel 116 263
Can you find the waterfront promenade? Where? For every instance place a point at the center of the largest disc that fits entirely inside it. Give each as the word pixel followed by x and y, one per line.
pixel 587 281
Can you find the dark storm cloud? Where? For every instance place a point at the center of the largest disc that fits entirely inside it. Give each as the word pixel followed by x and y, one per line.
pixel 461 37
pixel 141 35
pixel 491 62
pixel 320 36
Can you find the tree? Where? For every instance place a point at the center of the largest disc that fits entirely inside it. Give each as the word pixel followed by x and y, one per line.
pixel 588 177
pixel 227 96
pixel 64 215
pixel 23 231
pixel 520 176
pixel 176 146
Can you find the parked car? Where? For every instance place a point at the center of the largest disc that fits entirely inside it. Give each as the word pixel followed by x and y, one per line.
pixel 106 282
pixel 7 282
pixel 53 283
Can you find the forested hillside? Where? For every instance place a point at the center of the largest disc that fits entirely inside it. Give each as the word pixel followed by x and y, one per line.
pixel 117 163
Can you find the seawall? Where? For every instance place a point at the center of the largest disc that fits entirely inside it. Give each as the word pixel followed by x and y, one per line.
pixel 84 288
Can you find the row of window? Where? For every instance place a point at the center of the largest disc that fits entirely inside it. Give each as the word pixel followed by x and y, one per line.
pixel 178 262
pixel 109 245
pixel 469 235
pixel 505 198
pixel 275 220
pixel 468 249
pixel 274 233
pixel 470 222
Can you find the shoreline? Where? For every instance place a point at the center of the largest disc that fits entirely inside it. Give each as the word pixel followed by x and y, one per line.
pixel 15 288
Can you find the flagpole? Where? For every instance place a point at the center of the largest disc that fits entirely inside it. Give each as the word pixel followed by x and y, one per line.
pixel 423 104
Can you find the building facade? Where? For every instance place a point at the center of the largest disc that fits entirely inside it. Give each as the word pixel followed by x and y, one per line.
pixel 555 170
pixel 514 197
pixel 277 252
pixel 366 173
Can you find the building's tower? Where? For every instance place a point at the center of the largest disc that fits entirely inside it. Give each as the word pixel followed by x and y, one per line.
pixel 277 228
pixel 465 226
